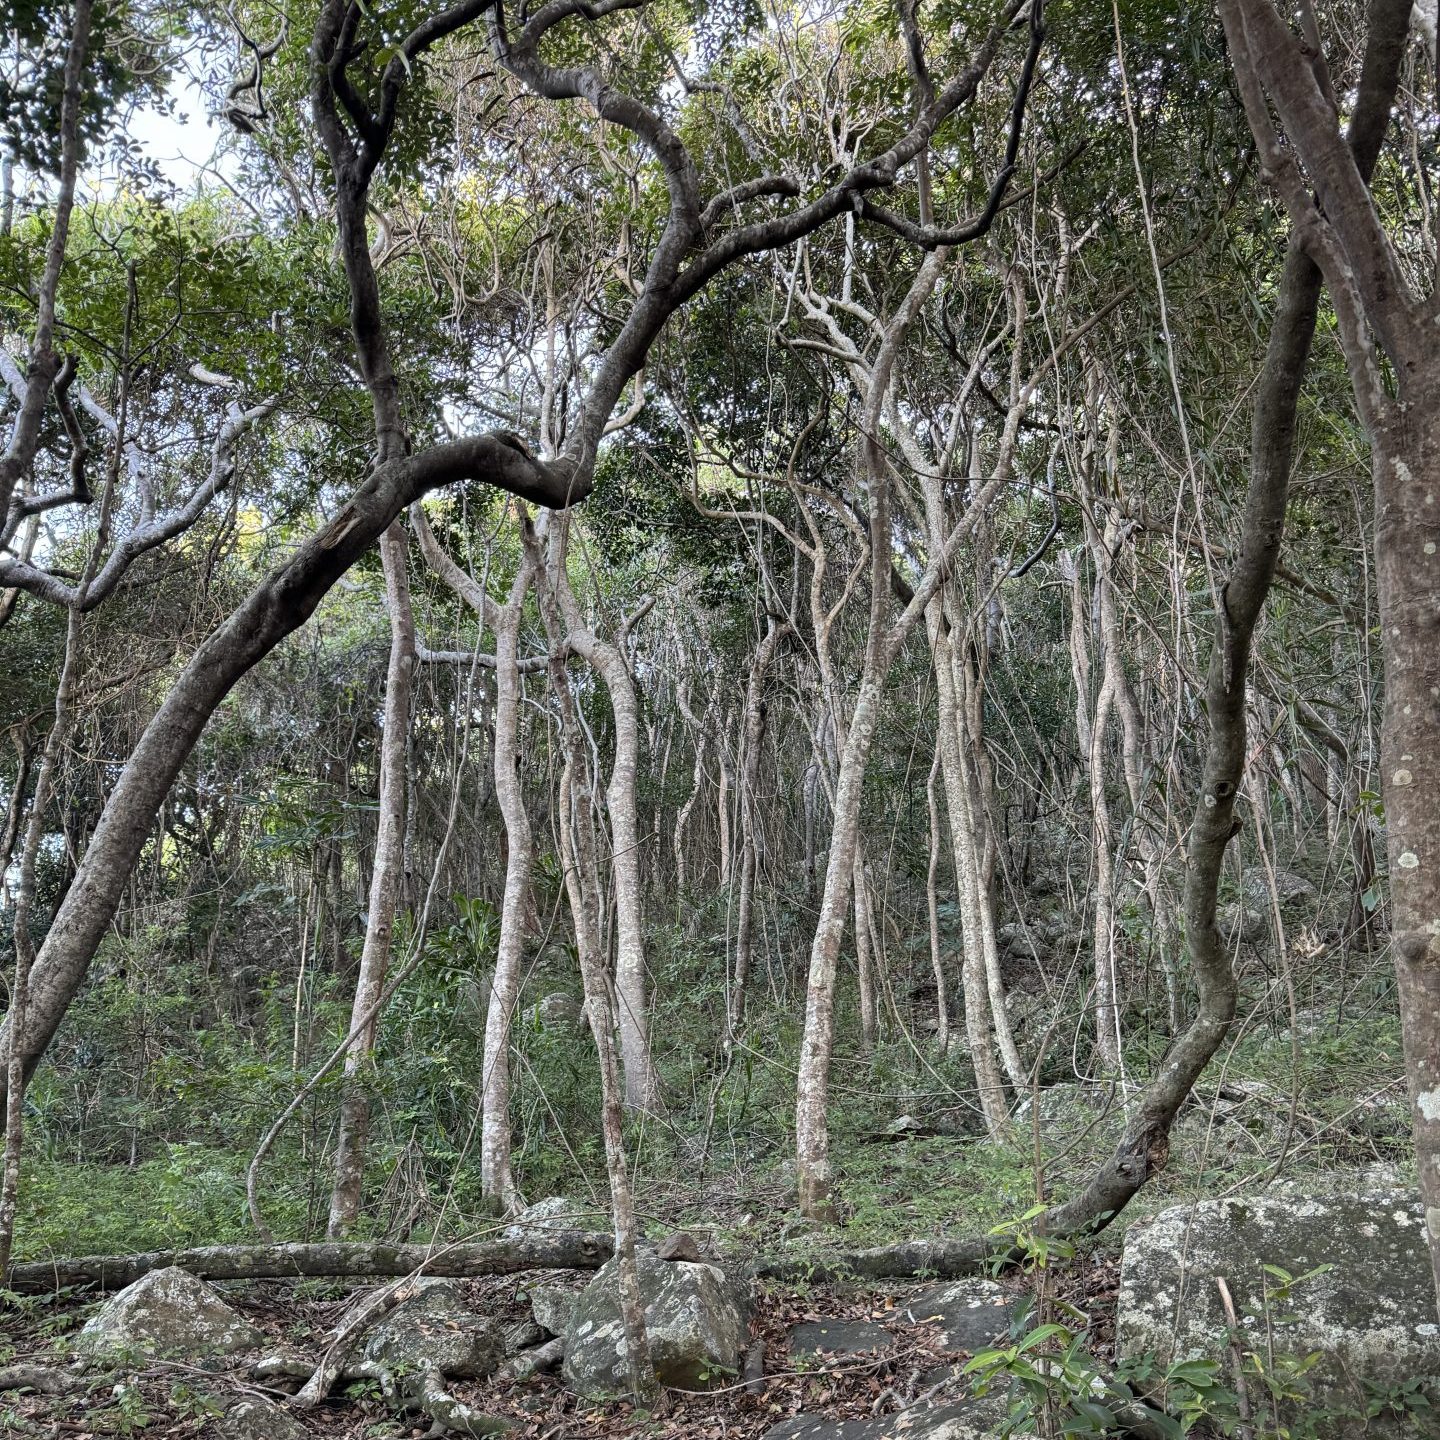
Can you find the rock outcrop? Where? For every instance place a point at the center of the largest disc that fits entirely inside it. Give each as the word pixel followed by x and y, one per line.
pixel 435 1329
pixel 695 1317
pixel 167 1313
pixel 1369 1313
pixel 967 1420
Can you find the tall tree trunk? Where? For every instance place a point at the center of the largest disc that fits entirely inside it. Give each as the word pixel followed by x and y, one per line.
pixel 642 1084
pixel 582 886
pixel 1406 469
pixel 989 1083
pixel 751 741
pixel 864 954
pixel 497 1180
pixel 385 884
pixel 932 906
pixel 1144 1148
pixel 22 916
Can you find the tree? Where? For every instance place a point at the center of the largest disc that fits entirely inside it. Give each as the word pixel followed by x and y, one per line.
pixel 1386 325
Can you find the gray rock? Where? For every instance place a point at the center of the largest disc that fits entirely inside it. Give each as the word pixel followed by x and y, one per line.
pixel 283 1363
pixel 695 1318
pixel 167 1312
pixel 1290 889
pixel 552 1307
pixel 839 1337
pixel 559 1011
pixel 435 1329
pixel 969 1314
pixel 1370 1317
pixel 554 1212
pixel 967 1420
pixel 521 1335
pixel 254 1418
pixel 1066 1109
pixel 1243 922
pixel 682 1245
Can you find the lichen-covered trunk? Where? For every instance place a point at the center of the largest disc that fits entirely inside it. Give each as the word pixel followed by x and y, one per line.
pixel 812 1082
pixel 582 887
pixel 989 1083
pixel 864 955
pixel 385 882
pixel 632 991
pixel 932 907
pixel 497 1181
pixel 752 737
pixel 1406 468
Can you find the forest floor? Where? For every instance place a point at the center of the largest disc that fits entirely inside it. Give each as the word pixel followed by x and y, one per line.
pixel 174 1400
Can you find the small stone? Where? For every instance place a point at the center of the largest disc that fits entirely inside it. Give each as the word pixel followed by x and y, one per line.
pixel 679 1246
pixel 521 1336
pixel 974 1419
pixel 254 1418
pixel 970 1314
pixel 168 1312
pixel 559 1011
pixel 284 1363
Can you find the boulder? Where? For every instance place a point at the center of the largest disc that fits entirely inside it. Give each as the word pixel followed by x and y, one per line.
pixel 1370 1316
pixel 1244 922
pixel 167 1312
pixel 695 1318
pixel 1066 1109
pixel 255 1418
pixel 559 1011
pixel 969 1314
pixel 966 1420
pixel 435 1329
pixel 554 1212
pixel 552 1307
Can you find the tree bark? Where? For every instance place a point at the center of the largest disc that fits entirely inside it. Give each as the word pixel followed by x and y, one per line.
pixel 582 886
pixel 553 1250
pixel 752 738
pixel 1144 1148
pixel 385 882
pixel 497 1180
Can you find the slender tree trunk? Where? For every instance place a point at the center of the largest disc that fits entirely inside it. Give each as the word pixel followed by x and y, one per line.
pixel 988 1081
pixel 864 956
pixel 582 886
pixel 642 1084
pixel 932 905
pixel 385 884
pixel 752 738
pixel 1406 469
pixel 17 1017
pixel 1144 1148
pixel 812 1085
pixel 15 810
pixel 497 1180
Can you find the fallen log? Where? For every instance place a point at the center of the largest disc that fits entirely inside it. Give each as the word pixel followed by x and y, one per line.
pixel 938 1258
pixel 553 1250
